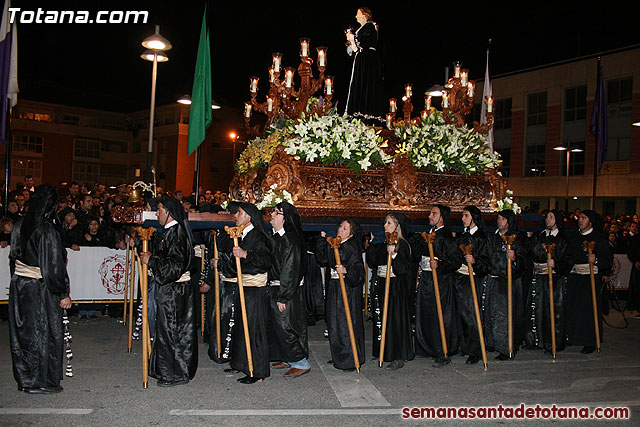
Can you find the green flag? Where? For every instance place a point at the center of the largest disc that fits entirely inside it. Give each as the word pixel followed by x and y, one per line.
pixel 200 116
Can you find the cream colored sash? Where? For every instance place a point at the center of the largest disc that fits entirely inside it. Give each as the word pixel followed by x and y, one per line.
pixel 249 280
pixel 29 271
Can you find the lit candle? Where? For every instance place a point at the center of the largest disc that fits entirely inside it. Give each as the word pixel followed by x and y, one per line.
pixel 464 75
pixel 269 104
pixel 392 105
pixel 254 84
pixel 470 90
pixel 427 103
pixel 247 110
pixel 389 118
pixel 425 114
pixel 304 47
pixel 277 58
pixel 445 99
pixel 456 69
pixel 272 75
pixel 407 90
pixel 490 104
pixel 328 85
pixel 322 57
pixel 288 72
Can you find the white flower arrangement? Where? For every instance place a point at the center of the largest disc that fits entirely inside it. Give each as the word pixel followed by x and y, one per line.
pixel 508 203
pixel 335 140
pixel 273 197
pixel 434 145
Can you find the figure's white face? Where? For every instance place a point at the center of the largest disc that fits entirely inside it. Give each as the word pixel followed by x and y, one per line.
pixel 435 218
pixel 344 231
pixel 467 219
pixel 162 214
pixel 550 221
pixel 503 224
pixel 361 17
pixel 242 217
pixel 390 225
pixel 277 219
pixel 584 224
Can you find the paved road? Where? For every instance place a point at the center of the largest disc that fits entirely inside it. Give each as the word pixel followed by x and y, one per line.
pixel 106 389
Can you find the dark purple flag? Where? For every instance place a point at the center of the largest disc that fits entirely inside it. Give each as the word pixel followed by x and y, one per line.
pixel 599 118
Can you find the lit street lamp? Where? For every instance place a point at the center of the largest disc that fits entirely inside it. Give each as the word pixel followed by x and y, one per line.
pixel 155 45
pixel 569 149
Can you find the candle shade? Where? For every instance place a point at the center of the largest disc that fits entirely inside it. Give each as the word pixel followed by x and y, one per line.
pixel 288 76
pixel 490 104
pixel 408 90
pixel 304 47
pixel 464 77
pixel 389 119
pixel 277 61
pixel 445 100
pixel 328 85
pixel 253 86
pixel 247 110
pixel 392 105
pixel 470 89
pixel 322 56
pixel 456 69
pixel 269 104
pixel 427 103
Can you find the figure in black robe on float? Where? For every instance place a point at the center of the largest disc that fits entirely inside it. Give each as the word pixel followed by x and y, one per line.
pixel 174 356
pixel 447 260
pixel 537 312
pixel 365 87
pixel 633 253
pixel 580 325
pixel 38 293
pixel 495 288
pixel 398 345
pixel 227 289
pixel 254 251
pixel 474 233
pixel 352 269
pixel 288 317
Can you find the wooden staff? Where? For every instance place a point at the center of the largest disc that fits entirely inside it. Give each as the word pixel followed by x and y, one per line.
pixel 131 296
pixel 216 290
pixel 366 289
pixel 429 238
pixel 335 245
pixel 145 236
pixel 392 239
pixel 235 233
pixel 549 249
pixel 202 279
pixel 468 250
pixel 509 241
pixel 126 286
pixel 590 247
pixel 148 340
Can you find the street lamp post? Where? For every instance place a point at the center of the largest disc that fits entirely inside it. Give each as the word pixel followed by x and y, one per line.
pixel 569 149
pixel 155 45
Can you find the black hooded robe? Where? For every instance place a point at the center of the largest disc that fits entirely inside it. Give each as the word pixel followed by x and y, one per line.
pixel 428 338
pixel 288 329
pixel 537 311
pixel 174 356
pixel 334 312
pixel 35 317
pixel 365 87
pixel 398 344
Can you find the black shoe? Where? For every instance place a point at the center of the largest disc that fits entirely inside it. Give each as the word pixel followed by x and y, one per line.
pixel 249 380
pixel 473 359
pixel 164 383
pixel 53 388
pixel 587 349
pixel 35 390
pixel 440 362
pixel 231 371
pixel 394 365
pixel 330 362
pixel 502 356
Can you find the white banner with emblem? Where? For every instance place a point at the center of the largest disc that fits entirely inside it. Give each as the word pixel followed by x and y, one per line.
pixel 95 274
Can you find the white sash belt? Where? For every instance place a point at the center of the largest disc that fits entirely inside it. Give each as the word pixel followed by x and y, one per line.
pixel 252 280
pixel 382 271
pixel 184 278
pixel 583 269
pixel 542 268
pixel 29 271
pixel 464 269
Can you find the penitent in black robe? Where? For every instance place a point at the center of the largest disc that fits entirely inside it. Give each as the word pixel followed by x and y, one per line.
pixel 579 309
pixel 35 316
pixel 398 344
pixel 495 296
pixel 334 313
pixel 258 261
pixel 633 253
pixel 287 329
pixel 227 294
pixel 174 356
pixel 428 338
pixel 469 338
pixel 537 311
pixel 365 88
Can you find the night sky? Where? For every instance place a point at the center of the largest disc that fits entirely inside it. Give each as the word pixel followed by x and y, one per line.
pixel 99 65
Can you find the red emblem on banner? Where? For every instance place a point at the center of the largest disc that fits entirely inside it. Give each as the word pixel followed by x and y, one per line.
pixel 112 274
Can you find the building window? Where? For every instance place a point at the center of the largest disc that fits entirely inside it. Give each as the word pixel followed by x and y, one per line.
pixel 38 117
pixel 135 147
pixel 22 167
pixel 618 149
pixel 619 96
pixel 86 172
pixel 505 155
pixel 113 147
pixel 68 119
pixel 575 103
pixel 502 114
pixel 87 148
pixel 27 144
pixel 534 165
pixel 537 109
pixel 576 162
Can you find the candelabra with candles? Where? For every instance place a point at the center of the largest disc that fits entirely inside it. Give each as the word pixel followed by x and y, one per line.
pixel 282 97
pixel 457 102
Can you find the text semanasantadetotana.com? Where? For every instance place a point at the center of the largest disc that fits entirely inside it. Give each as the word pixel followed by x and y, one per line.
pixel 42 16
pixel 521 411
